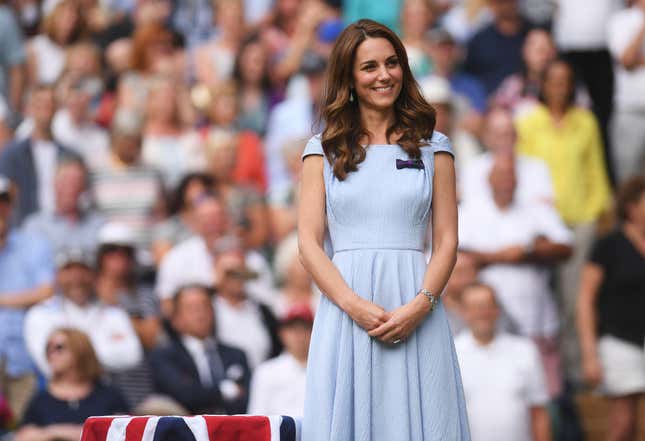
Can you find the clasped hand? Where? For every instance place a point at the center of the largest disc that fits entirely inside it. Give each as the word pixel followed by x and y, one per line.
pixel 389 326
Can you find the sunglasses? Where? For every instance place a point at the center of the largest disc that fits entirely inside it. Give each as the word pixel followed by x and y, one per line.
pixel 55 347
pixel 242 274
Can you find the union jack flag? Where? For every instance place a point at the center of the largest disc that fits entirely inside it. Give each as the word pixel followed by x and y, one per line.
pixel 193 428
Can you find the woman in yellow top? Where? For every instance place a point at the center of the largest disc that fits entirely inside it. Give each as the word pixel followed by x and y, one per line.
pixel 568 139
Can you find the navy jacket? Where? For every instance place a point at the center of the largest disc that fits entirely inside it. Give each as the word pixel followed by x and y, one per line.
pixel 17 164
pixel 175 374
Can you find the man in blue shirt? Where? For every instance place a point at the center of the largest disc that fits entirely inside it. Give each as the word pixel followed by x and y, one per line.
pixel 495 52
pixel 26 275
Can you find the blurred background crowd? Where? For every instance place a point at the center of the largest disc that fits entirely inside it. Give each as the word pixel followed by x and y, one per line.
pixel 149 169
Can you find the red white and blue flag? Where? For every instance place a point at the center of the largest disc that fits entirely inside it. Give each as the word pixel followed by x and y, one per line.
pixel 193 428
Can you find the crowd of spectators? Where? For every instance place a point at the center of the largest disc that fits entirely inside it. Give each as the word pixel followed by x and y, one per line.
pixel 149 176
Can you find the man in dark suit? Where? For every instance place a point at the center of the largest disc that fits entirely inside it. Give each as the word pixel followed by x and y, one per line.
pixel 202 374
pixel 31 163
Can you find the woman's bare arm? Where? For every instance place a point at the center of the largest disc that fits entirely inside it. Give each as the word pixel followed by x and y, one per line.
pixel 591 279
pixel 444 225
pixel 311 230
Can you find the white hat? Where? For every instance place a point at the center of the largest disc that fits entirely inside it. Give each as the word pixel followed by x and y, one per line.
pixel 5 185
pixel 114 233
pixel 436 89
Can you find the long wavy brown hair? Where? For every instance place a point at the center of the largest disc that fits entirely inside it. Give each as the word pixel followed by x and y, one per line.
pixel 415 118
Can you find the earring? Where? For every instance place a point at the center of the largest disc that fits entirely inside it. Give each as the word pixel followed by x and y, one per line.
pixel 351 95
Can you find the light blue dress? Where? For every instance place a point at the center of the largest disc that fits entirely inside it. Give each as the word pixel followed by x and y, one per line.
pixel 358 388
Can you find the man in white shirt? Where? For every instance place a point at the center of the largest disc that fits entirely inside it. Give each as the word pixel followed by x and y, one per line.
pixel 109 328
pixel 514 242
pixel 626 34
pixel 239 320
pixel 278 385
pixel 502 375
pixel 534 182
pixel 192 261
pixel 196 369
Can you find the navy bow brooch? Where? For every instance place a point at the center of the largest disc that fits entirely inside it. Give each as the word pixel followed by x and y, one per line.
pixel 409 163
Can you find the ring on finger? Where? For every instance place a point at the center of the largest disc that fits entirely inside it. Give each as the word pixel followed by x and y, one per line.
pixel 398 340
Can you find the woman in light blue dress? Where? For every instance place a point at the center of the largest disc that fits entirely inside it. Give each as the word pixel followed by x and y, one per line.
pixel 382 364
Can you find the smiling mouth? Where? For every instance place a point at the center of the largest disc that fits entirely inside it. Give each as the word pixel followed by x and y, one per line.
pixel 384 88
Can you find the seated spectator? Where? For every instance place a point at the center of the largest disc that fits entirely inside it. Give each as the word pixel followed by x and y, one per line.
pixel 223 111
pixel 26 277
pixel 463 275
pixel 470 95
pixel 417 16
pixel 196 369
pixel 126 191
pixel 72 223
pixel 182 223
pixel 192 261
pixel 610 319
pixel 74 391
pixel 520 92
pixel 437 91
pixel 240 321
pixel 244 204
pixel 75 305
pixel 534 183
pixel 119 284
pixel 283 209
pixel 167 146
pixel 495 52
pixel 503 379
pixel 30 162
pixel 293 118
pixel 295 282
pixel 278 385
pixel 568 139
pixel 214 60
pixel 514 242
pixel 251 76
pixel 62 26
pixel 73 125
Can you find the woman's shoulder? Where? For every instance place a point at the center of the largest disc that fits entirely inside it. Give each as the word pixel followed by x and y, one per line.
pixel 438 143
pixel 314 146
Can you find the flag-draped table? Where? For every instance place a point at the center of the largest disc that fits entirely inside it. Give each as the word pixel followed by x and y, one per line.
pixel 192 428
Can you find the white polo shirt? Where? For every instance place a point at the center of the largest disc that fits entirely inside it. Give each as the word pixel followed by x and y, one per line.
pixel 522 289
pixel 630 84
pixel 278 387
pixel 502 381
pixel 534 181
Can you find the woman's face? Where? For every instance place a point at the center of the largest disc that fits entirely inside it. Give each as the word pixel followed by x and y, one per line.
pixel 378 75
pixel 253 63
pixel 558 84
pixel 194 190
pixel 224 109
pixel 223 160
pixel 416 16
pixel 59 355
pixel 117 261
pixel 539 51
pixel 636 213
pixel 67 19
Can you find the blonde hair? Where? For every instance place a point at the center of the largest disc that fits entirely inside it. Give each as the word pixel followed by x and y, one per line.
pixel 87 363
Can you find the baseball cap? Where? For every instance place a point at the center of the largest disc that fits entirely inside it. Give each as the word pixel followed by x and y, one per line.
pixel 69 256
pixel 114 233
pixel 300 312
pixel 436 89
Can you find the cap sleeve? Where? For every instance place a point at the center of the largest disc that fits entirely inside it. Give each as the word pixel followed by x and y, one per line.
pixel 313 147
pixel 441 143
